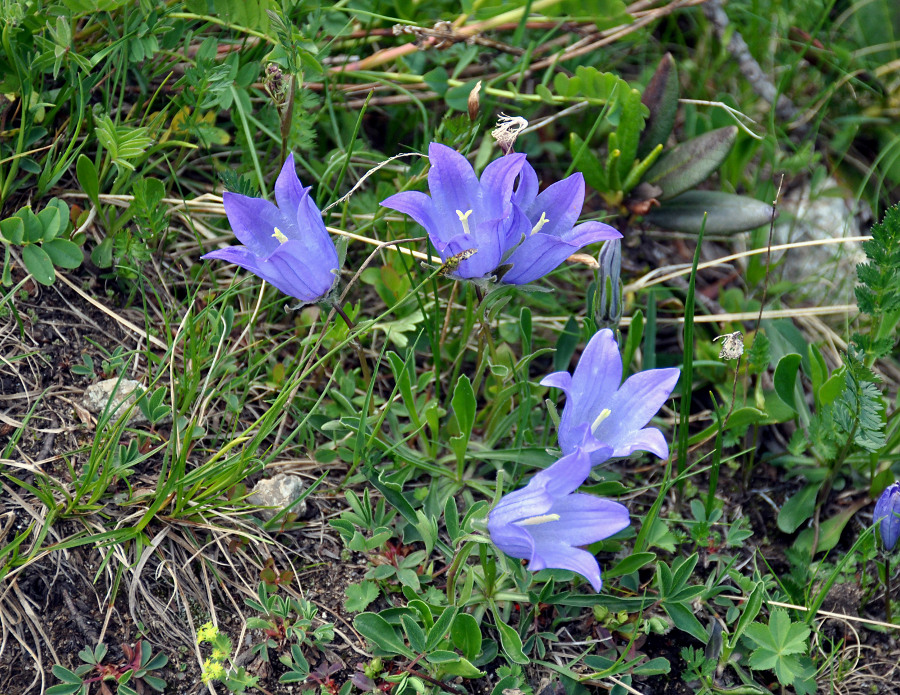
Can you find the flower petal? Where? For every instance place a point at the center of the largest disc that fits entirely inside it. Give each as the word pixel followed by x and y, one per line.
pixel 295 273
pixel 566 558
pixel 561 204
pixel 288 189
pixel 527 188
pixel 542 253
pixel 513 540
pixel 254 220
pixel 583 519
pixel 318 248
pixel 239 255
pixel 452 183
pixel 418 206
pixel 632 406
pixel 497 184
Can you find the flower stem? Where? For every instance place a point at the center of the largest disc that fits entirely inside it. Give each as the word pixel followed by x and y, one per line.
pixel 363 362
pixel 887 589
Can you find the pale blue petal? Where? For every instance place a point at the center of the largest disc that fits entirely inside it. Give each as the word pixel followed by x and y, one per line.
pixel 497 184
pixel 632 406
pixel 239 255
pixel 583 519
pixel 566 558
pixel 527 188
pixel 451 182
pixel 254 220
pixel 418 206
pixel 288 190
pixel 561 204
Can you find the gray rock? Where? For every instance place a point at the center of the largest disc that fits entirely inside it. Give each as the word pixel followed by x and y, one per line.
pixel 278 492
pixel 96 396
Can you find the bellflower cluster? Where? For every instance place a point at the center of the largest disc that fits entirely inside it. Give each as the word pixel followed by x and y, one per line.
pixel 546 521
pixel 517 234
pixel 288 245
pixel 887 516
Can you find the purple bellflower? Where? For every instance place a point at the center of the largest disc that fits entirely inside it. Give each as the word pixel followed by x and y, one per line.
pixel 600 407
pixel 517 235
pixel 288 245
pixel 887 515
pixel 549 235
pixel 546 521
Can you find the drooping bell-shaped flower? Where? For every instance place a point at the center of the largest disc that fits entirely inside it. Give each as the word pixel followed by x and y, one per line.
pixel 549 236
pixel 288 245
pixel 615 414
pixel 546 521
pixel 887 515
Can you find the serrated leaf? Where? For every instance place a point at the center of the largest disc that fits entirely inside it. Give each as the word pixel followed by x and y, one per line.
pixel 661 99
pixel 38 263
pixel 727 213
pixel 691 162
pixel 359 596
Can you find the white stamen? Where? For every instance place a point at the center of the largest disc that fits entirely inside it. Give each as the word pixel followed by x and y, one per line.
pixel 535 520
pixel 540 223
pixel 464 218
pixel 278 235
pixel 605 413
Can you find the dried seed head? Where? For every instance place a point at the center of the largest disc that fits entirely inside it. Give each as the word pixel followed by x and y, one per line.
pixel 732 345
pixel 507 130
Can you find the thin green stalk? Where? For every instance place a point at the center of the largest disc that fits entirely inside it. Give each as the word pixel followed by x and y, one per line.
pixel 687 368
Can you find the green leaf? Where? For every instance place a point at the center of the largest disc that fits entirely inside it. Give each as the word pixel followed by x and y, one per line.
pixel 464 405
pixel 440 628
pixel 34 230
pixel 727 213
pixel 466 635
pixel 691 162
pixel 631 123
pixel 414 633
pixel 511 642
pixel 38 263
pixel 798 508
pixel 380 633
pixel 630 564
pixel 63 253
pixel 786 379
pixel 685 620
pixel 653 667
pixel 661 98
pixel 461 667
pixel 748 614
pixel 13 229
pixel 588 164
pixel 830 532
pixel 50 221
pixel 359 596
pixel 88 179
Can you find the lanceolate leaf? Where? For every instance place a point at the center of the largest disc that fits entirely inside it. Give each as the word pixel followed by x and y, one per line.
pixel 691 162
pixel 728 213
pixel 661 97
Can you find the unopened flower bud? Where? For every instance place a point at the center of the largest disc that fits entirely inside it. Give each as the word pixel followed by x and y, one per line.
pixel 608 296
pixel 887 516
pixel 473 102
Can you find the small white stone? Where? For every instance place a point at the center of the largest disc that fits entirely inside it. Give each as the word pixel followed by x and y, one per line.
pixel 278 492
pixel 123 392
